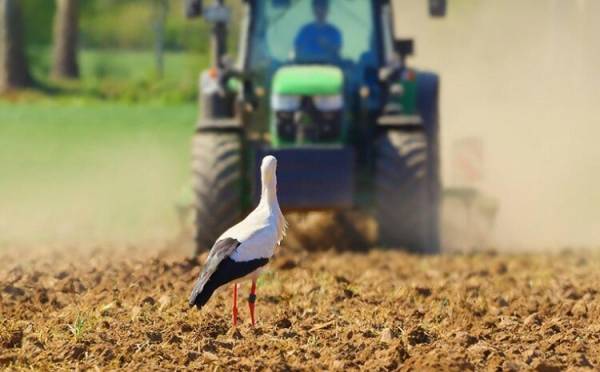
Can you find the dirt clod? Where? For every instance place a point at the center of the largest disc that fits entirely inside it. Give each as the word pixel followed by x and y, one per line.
pixel 533 319
pixel 186 328
pixel 341 279
pixel 546 367
pixel 386 335
pixel 348 293
pixel 77 352
pixel 287 265
pixel 135 312
pixel 466 339
pixel 148 301
pixel 175 339
pixel 61 275
pixel 418 336
pixel 154 337
pixel 14 291
pixel 14 340
pixel 283 323
pixel 423 291
pixel 164 302
pixel 73 285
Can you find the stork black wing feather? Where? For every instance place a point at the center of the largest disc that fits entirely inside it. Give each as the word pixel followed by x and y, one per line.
pixel 221 249
pixel 227 271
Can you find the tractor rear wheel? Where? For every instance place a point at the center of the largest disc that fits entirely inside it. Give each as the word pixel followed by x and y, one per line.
pixel 404 202
pixel 217 170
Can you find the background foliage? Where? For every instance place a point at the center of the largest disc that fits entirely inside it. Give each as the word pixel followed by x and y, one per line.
pixel 117 61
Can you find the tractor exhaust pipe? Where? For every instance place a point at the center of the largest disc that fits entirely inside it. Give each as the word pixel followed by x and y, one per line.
pixel 219 40
pixel 193 8
pixel 218 15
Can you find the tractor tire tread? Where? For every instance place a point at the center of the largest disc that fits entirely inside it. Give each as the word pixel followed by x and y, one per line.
pixel 217 172
pixel 402 190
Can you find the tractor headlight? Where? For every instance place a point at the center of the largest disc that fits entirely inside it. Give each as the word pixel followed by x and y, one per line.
pixel 328 103
pixel 286 126
pixel 280 102
pixel 328 116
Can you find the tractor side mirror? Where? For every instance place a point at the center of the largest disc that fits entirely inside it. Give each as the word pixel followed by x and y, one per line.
pixel 217 13
pixel 437 8
pixel 193 8
pixel 404 47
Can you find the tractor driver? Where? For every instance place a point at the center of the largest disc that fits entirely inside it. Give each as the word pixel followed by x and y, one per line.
pixel 318 40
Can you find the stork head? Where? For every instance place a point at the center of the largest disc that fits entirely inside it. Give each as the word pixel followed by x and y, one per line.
pixel 268 169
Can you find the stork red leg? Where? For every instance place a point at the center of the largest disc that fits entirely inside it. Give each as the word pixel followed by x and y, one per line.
pixel 252 301
pixel 235 307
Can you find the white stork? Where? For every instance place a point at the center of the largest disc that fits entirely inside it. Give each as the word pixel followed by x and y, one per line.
pixel 243 250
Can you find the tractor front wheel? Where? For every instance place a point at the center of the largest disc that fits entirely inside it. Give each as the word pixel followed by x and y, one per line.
pixel 217 169
pixel 404 203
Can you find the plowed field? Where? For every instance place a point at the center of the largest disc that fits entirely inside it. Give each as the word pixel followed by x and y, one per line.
pixel 382 310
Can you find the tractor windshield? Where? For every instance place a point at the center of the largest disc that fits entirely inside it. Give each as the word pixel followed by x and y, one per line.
pixel 312 31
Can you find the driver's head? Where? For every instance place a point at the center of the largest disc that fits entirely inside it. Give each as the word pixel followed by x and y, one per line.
pixel 320 8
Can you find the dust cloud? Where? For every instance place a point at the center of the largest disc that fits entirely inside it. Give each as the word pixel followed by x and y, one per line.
pixel 524 76
pixel 127 200
pixel 86 188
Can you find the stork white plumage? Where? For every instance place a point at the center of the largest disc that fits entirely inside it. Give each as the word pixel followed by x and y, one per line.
pixel 243 250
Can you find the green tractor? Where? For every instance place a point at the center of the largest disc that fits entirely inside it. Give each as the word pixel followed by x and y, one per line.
pixel 323 85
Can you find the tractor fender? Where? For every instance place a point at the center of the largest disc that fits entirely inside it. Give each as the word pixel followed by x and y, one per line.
pixel 428 102
pixel 428 85
pixel 218 125
pixel 217 106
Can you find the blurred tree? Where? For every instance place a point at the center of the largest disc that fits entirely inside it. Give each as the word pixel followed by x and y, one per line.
pixel 66 30
pixel 40 14
pixel 14 69
pixel 160 19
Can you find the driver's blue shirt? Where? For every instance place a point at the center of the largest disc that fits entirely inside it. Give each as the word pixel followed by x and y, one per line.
pixel 318 41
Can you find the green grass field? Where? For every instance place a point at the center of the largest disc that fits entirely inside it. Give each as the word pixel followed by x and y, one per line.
pixel 102 158
pixel 108 171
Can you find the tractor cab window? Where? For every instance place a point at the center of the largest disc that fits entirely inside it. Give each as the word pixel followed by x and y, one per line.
pixel 337 32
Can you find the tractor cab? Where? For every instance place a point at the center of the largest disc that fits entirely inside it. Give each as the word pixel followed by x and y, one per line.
pixel 323 85
pixel 314 57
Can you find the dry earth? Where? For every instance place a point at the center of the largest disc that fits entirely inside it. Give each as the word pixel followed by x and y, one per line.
pixel 382 310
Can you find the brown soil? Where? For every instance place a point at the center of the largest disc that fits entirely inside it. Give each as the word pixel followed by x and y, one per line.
pixel 335 311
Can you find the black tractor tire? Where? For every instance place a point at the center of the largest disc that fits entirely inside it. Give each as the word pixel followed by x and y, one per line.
pixel 217 171
pixel 404 202
pixel 428 97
